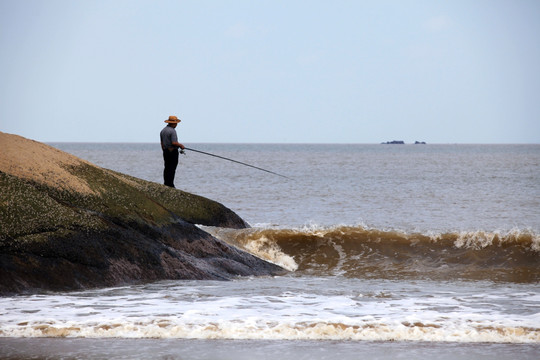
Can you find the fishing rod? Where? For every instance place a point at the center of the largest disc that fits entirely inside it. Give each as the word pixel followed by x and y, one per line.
pixel 238 162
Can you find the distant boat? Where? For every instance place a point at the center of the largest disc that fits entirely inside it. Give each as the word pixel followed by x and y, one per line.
pixel 398 142
pixel 420 142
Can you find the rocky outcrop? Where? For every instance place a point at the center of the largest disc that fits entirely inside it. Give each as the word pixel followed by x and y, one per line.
pixel 68 224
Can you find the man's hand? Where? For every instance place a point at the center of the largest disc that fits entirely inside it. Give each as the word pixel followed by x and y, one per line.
pixel 177 144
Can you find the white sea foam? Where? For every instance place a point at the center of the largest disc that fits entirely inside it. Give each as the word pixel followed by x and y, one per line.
pixel 253 328
pixel 266 309
pixel 261 246
pixel 268 250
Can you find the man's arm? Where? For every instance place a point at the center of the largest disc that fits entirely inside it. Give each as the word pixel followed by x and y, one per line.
pixel 177 144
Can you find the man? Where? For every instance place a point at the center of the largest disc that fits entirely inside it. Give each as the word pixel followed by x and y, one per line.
pixel 170 145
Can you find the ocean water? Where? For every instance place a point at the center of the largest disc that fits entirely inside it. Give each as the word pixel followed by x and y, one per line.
pixel 394 251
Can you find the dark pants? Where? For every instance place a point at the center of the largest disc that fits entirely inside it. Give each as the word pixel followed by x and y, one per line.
pixel 171 162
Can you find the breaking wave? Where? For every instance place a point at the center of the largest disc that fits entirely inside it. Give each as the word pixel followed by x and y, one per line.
pixel 360 252
pixel 259 330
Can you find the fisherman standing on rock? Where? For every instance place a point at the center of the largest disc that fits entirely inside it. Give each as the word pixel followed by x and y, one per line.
pixel 170 145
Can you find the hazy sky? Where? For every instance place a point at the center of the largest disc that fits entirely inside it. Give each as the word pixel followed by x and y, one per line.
pixel 291 71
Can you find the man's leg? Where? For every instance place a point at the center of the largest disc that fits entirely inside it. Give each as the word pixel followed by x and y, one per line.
pixel 171 162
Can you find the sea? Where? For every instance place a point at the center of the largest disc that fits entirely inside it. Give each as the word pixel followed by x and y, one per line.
pixel 392 251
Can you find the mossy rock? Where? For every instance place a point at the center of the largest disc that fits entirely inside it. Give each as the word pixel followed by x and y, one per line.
pixel 29 208
pixel 75 225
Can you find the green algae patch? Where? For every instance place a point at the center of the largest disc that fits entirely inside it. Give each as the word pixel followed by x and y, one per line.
pixel 26 210
pixel 30 208
pixel 115 198
pixel 191 208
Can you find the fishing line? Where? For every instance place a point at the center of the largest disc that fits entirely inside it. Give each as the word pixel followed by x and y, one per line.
pixel 238 162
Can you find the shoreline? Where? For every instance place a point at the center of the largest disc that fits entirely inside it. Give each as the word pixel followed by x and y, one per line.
pixel 186 349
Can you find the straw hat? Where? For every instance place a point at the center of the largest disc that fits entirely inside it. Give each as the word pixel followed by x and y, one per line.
pixel 173 120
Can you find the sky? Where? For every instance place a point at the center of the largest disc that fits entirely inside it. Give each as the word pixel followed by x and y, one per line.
pixel 271 71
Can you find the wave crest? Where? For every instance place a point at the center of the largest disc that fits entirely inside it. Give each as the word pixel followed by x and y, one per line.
pixel 265 330
pixel 357 251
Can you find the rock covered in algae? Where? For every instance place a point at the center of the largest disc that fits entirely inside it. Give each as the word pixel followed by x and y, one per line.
pixel 68 224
